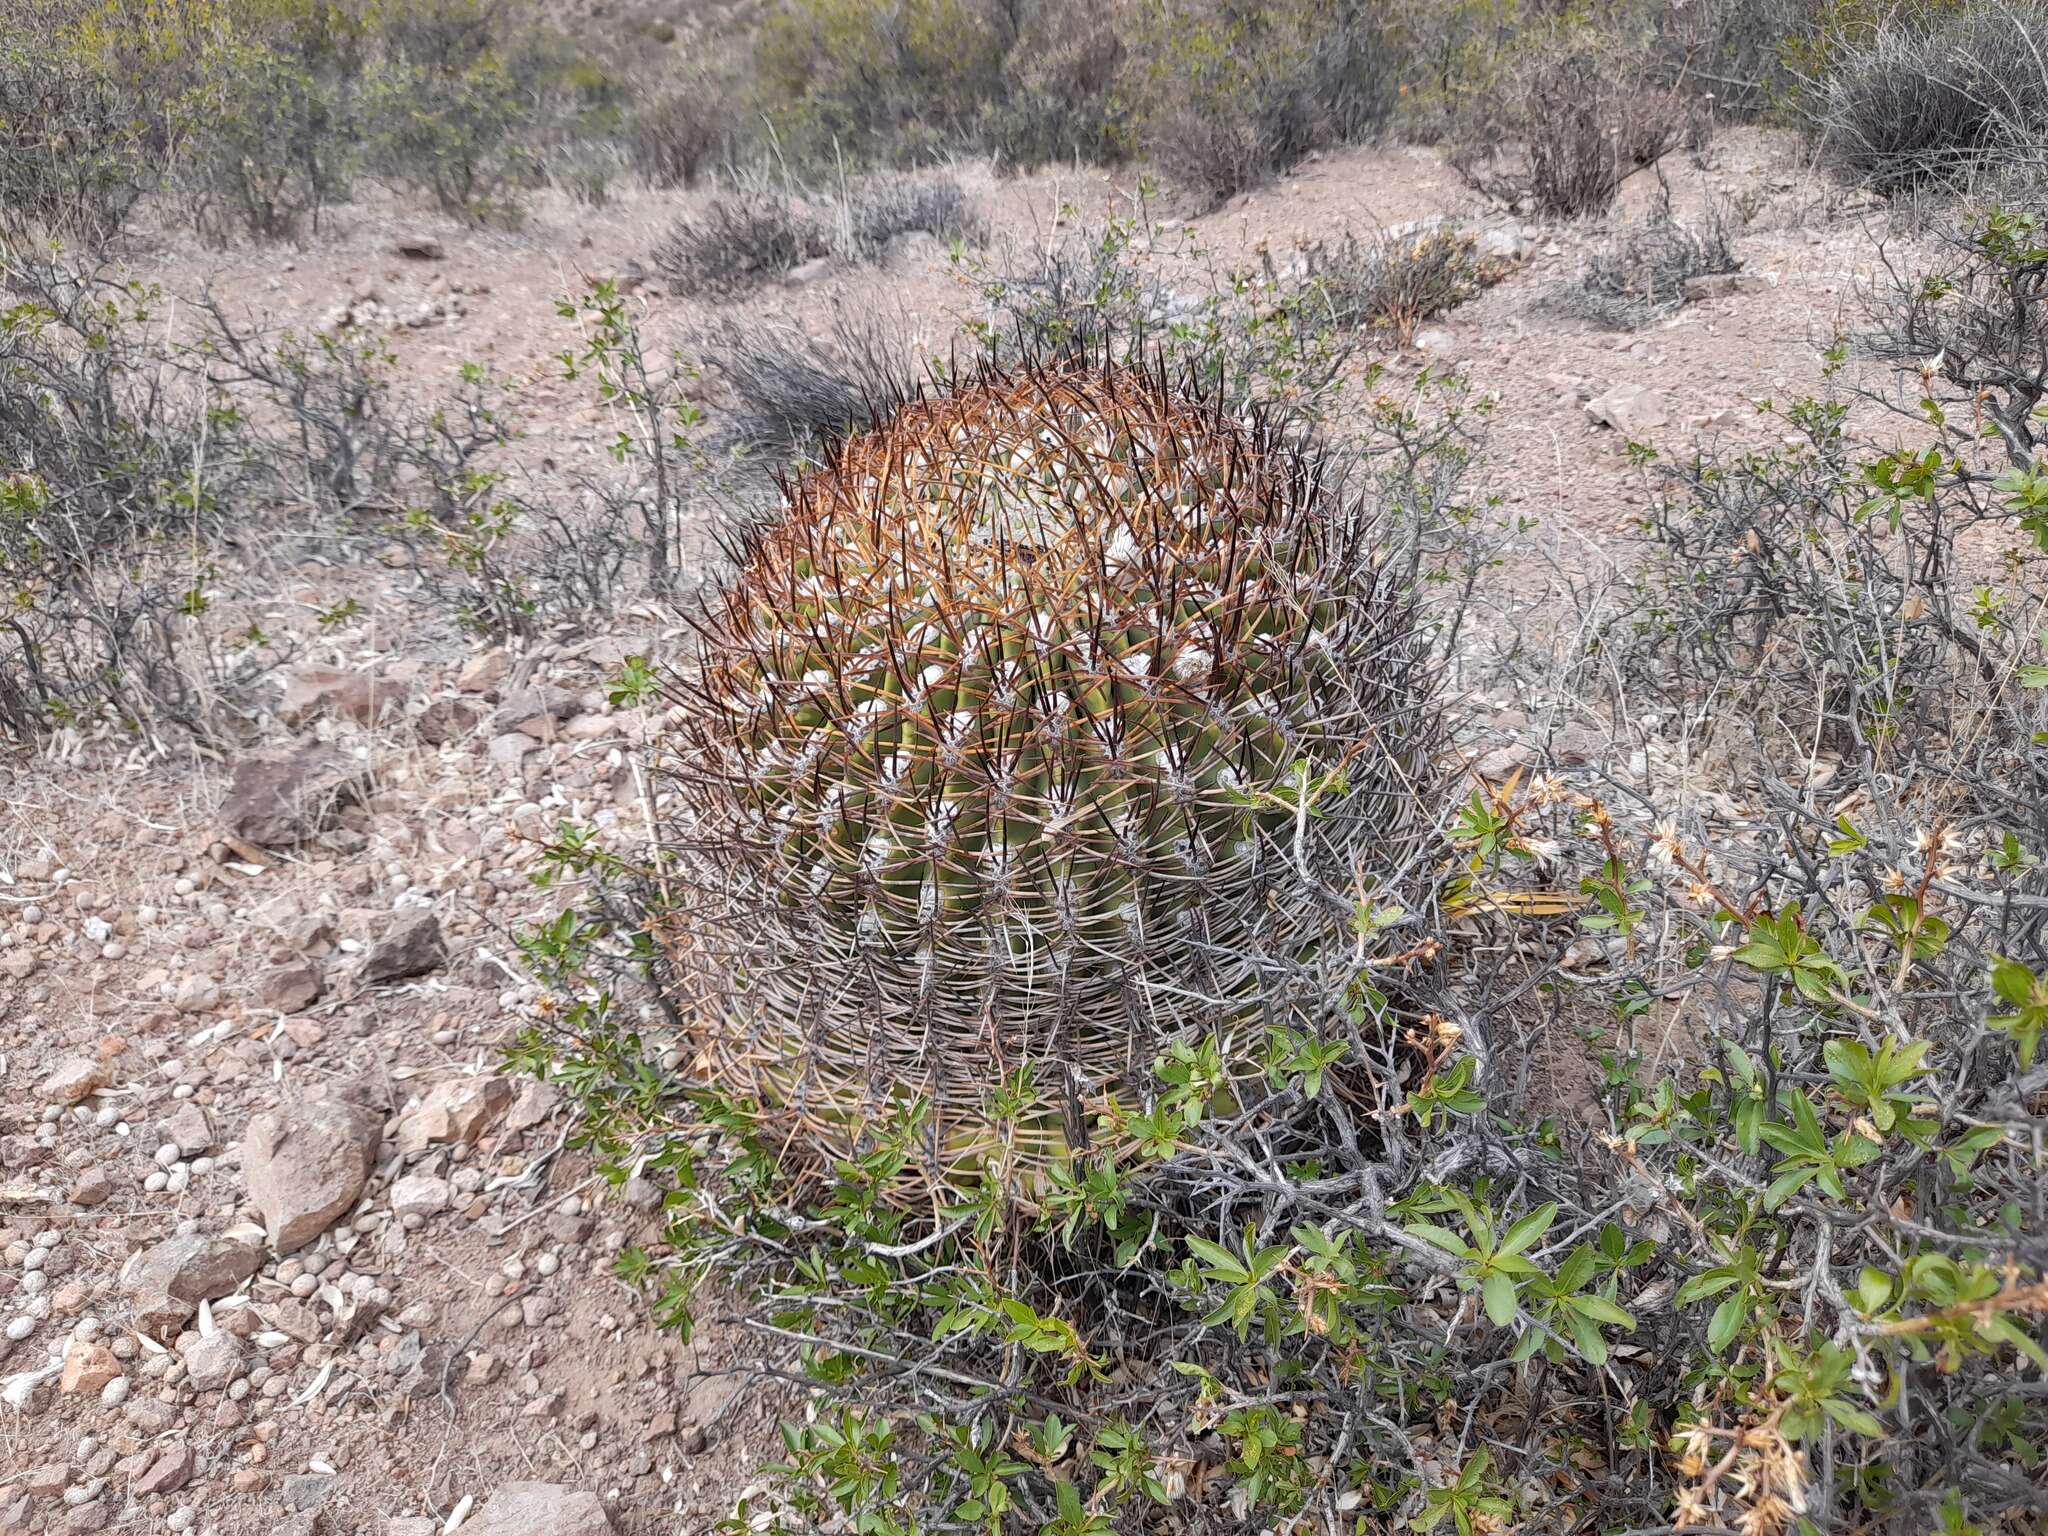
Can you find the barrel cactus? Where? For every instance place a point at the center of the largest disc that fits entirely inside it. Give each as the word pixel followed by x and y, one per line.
pixel 1048 723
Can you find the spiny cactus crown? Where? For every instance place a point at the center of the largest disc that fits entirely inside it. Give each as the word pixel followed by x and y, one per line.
pixel 997 746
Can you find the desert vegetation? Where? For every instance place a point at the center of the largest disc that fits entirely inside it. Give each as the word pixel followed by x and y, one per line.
pixel 1093 1004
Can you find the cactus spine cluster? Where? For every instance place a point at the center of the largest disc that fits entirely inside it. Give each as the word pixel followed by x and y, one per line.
pixel 996 752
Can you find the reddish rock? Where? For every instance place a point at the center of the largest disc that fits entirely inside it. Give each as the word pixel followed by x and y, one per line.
pixel 168 1473
pixel 306 1165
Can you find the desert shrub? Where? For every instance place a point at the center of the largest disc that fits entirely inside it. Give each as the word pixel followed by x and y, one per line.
pixel 739 241
pixel 1061 97
pixel 1586 114
pixel 794 394
pixel 1644 272
pixel 1226 95
pixel 875 80
pixel 1936 93
pixel 673 131
pixel 119 485
pixel 875 209
pixel 443 109
pixel 1393 281
pixel 76 153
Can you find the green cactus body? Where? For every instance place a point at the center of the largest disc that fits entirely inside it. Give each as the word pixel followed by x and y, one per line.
pixel 992 753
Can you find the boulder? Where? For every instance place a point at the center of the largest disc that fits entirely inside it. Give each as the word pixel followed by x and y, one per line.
pixel 306 1166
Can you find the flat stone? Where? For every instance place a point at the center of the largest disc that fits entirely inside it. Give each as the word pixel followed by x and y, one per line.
pixel 484 671
pixel 277 799
pixel 170 1471
pixel 73 1082
pixel 93 1187
pixel 306 1165
pixel 214 1362
pixel 540 1509
pixel 190 1130
pixel 290 988
pixel 340 693
pixel 182 1271
pixel 1631 409
pixel 306 1490
pixel 420 1194
pixel 455 1109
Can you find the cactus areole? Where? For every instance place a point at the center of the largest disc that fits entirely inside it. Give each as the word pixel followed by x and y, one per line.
pixel 1051 721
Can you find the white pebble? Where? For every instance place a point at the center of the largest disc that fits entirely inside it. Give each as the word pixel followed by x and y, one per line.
pixel 156 1181
pixel 20 1328
pixel 115 1392
pixel 547 1264
pixel 167 1154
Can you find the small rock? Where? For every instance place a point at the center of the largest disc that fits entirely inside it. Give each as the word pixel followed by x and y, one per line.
pixel 808 272
pixel 305 1167
pixel 420 1194
pixel 508 753
pixel 483 671
pixel 1503 242
pixel 48 1480
pixel 412 947
pixel 73 1082
pixel 189 1130
pixel 1631 409
pixel 456 1109
pixel 419 248
pixel 197 993
pixel 170 1471
pixel 306 1490
pixel 175 1275
pixel 536 712
pixel 87 1368
pixel 540 1509
pixel 289 988
pixel 214 1362
pixel 448 719
pixel 93 1187
pixel 339 692
pixel 275 800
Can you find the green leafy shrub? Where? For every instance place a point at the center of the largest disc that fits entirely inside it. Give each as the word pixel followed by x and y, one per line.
pixel 76 153
pixel 879 81
pixel 1226 95
pixel 1344 1264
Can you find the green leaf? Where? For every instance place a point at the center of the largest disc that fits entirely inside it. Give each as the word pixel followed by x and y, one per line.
pixel 1499 1291
pixel 1528 1229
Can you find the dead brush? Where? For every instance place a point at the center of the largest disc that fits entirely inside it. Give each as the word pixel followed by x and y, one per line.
pixel 740 242
pixel 1647 271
